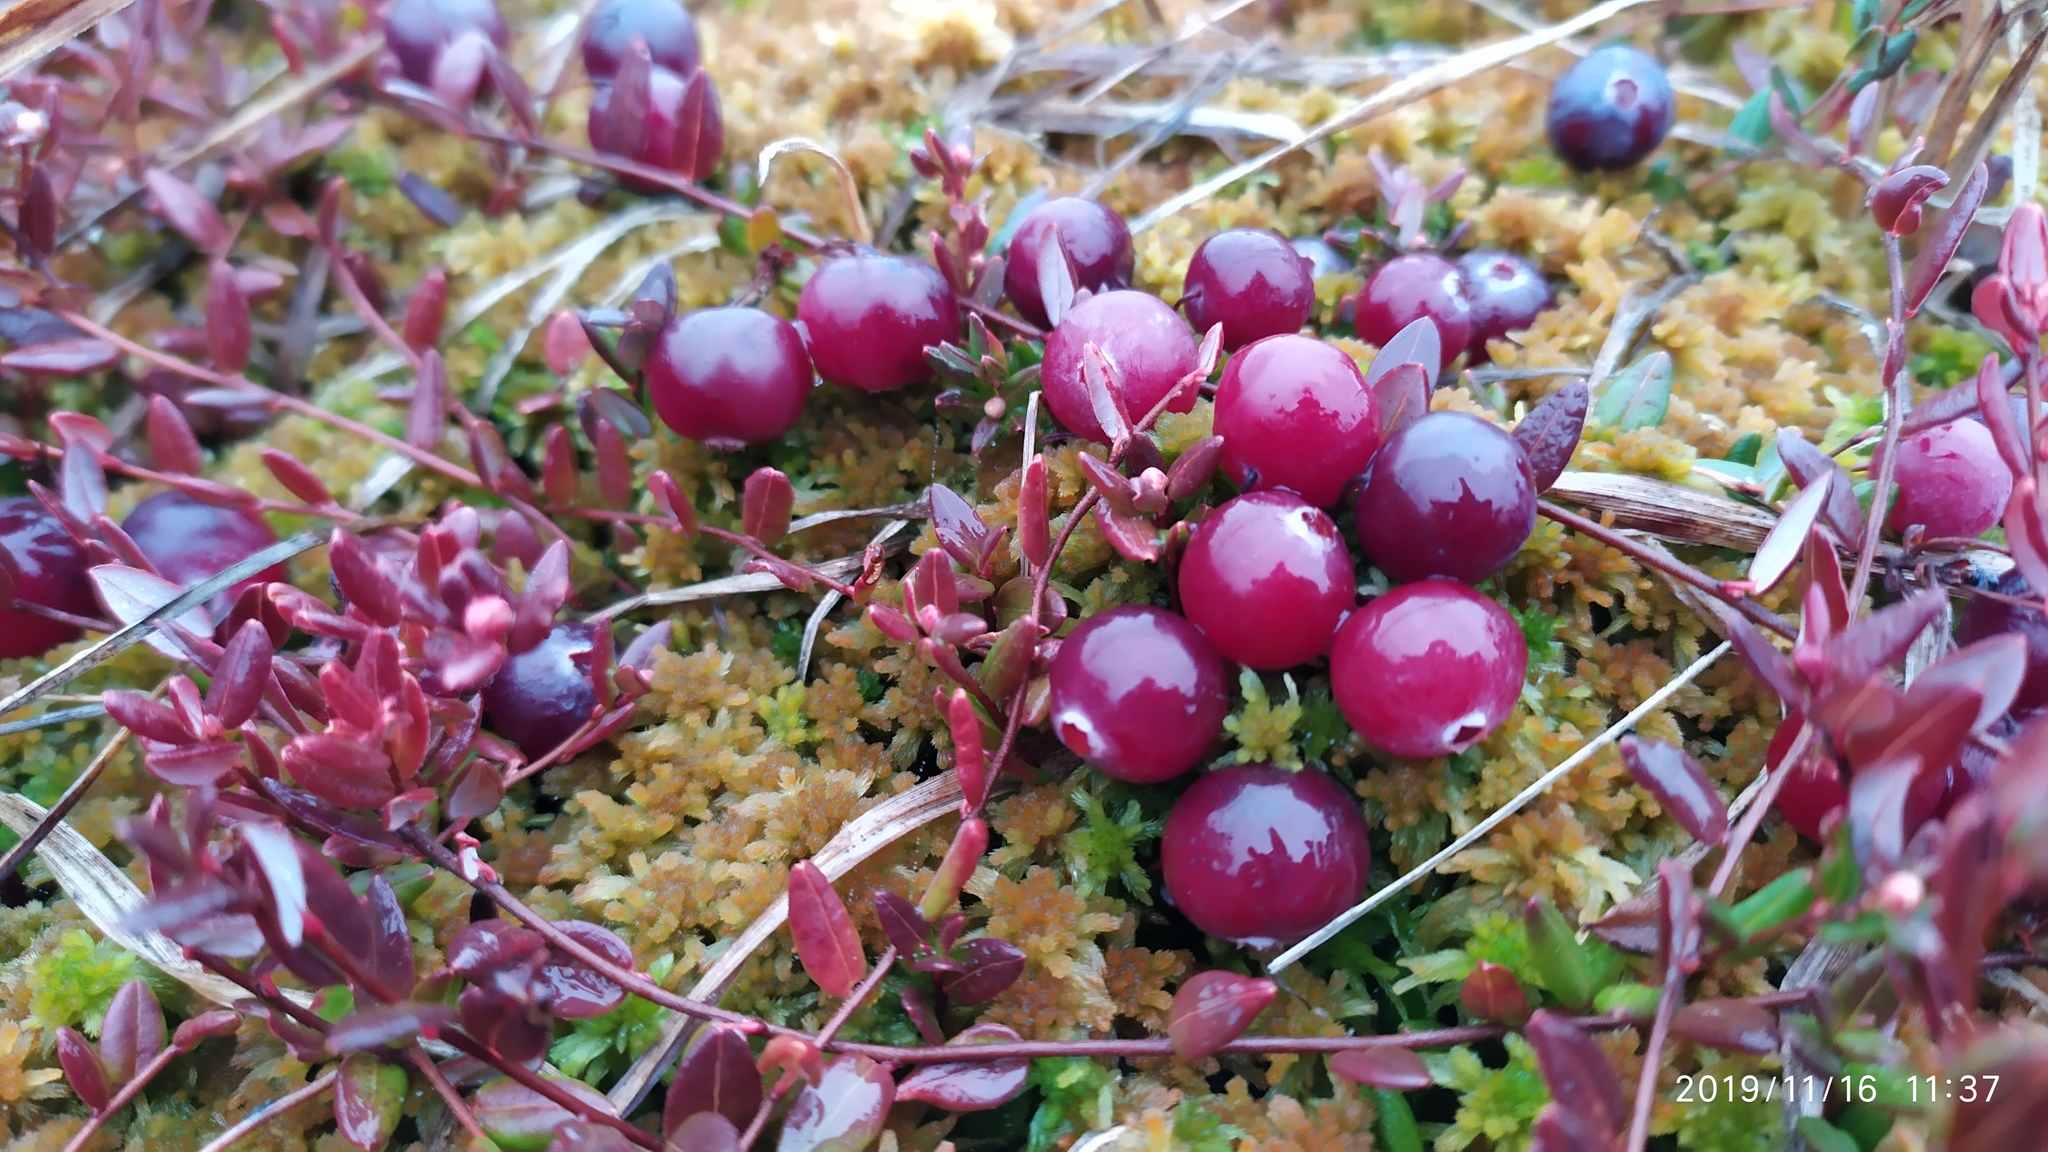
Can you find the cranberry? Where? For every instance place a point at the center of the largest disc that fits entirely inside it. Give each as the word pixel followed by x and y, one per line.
pixel 1407 288
pixel 1428 669
pixel 1983 617
pixel 729 377
pixel 418 30
pixel 1814 791
pixel 190 541
pixel 48 568
pixel 1097 243
pixel 1951 480
pixel 1260 856
pixel 664 140
pixel 1147 341
pixel 1507 294
pixel 1609 110
pixel 1252 282
pixel 1295 413
pixel 540 697
pixel 870 317
pixel 1139 693
pixel 1266 578
pixel 1450 495
pixel 665 26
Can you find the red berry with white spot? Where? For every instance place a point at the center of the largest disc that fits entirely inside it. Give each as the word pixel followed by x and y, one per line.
pixel 1950 480
pixel 871 316
pixel 48 568
pixel 1252 282
pixel 1149 344
pixel 1260 855
pixel 1408 288
pixel 1295 413
pixel 729 377
pixel 1507 293
pixel 1428 669
pixel 1266 578
pixel 1450 495
pixel 1095 239
pixel 1139 693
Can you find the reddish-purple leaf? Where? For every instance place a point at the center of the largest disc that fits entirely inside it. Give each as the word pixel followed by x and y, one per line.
pixel 970 758
pixel 1382 1066
pixel 1879 640
pixel 187 210
pixel 1806 464
pixel 426 418
pixel 700 128
pixel 843 1112
pixel 702 1132
pixel 574 991
pixel 369 1100
pixel 992 964
pixel 277 859
pixel 1895 202
pixel 38 212
pixel 564 344
pixel 1932 723
pixel 1787 538
pixel 75 427
pixel 959 528
pixel 2023 260
pixel 1998 415
pixel 173 446
pixel 558 466
pixel 1944 238
pixel 241 676
pixel 1403 396
pixel 129 594
pixel 1034 528
pixel 1632 924
pixel 1576 1070
pixel 1491 992
pixel 341 771
pixel 297 479
pixel 1419 344
pixel 145 717
pixel 1191 471
pixel 970 840
pixel 427 310
pixel 132 1033
pixel 477 792
pixel 2026 533
pixel 204 1026
pixel 1728 1025
pixel 765 505
pixel 1680 785
pixel 517 1117
pixel 75 357
pixel 498 952
pixel 1763 658
pixel 826 940
pixel 1877 809
pixel 388 950
pixel 82 1069
pixel 1105 387
pixel 227 320
pixel 1210 1009
pixel 1550 432
pixel 717 1076
pixel 1992 668
pixel 382 1024
pixel 362 579
pixel 969 1086
pixel 194 765
pixel 669 497
pixel 901 922
pixel 614 465
pixel 85 482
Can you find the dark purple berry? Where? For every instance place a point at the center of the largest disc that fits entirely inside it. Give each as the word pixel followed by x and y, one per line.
pixel 189 541
pixel 418 30
pixel 729 377
pixel 1450 495
pixel 665 25
pixel 48 568
pixel 870 317
pixel 1983 617
pixel 1951 480
pixel 539 698
pixel 1428 669
pixel 1507 294
pixel 1095 239
pixel 1259 855
pixel 1139 693
pixel 1252 282
pixel 1609 110
pixel 1295 413
pixel 1266 578
pixel 1148 342
pixel 1408 288
pixel 681 132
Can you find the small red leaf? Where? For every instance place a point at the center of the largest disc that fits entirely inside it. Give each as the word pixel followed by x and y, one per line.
pixel 2026 534
pixel 1419 344
pixel 84 481
pixel 1895 201
pixel 1105 387
pixel 1055 278
pixel 702 1132
pixel 77 357
pixel 241 677
pixel 227 320
pixel 716 1076
pixel 564 344
pixel 369 1099
pixel 765 505
pixel 1382 1066
pixel 1787 538
pixel 1806 464
pixel 1681 786
pixel 1944 238
pixel 700 129
pixel 132 1033
pixel 341 771
pixel 82 1069
pixel 1402 393
pixel 843 1112
pixel 1577 1070
pixel 382 1024
pixel 826 940
pixel 129 594
pixel 969 1086
pixel 614 464
pixel 1210 1009
pixel 970 759
pixel 992 965
pixel 173 446
pixel 477 792
pixel 1034 528
pixel 1993 668
pixel 1491 992
pixel 297 479
pixel 1998 415
pixel 1728 1025
pixel 426 418
pixel 187 210
pixel 39 212
pixel 427 310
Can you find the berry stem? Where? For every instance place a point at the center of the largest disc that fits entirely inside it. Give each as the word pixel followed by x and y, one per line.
pixel 129 1091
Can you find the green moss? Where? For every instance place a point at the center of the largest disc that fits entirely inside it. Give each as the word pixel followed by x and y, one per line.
pixel 72 984
pixel 1495 1105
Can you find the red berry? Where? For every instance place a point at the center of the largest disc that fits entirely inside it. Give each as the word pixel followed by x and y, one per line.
pixel 189 541
pixel 1814 791
pixel 666 26
pixel 1148 342
pixel 664 139
pixel 1095 239
pixel 1295 413
pixel 48 568
pixel 1428 669
pixel 1609 110
pixel 1450 495
pixel 1252 282
pixel 1408 288
pixel 1983 617
pixel 1266 578
pixel 1951 480
pixel 870 317
pixel 1507 294
pixel 1139 693
pixel 417 31
pixel 729 377
pixel 540 697
pixel 1260 856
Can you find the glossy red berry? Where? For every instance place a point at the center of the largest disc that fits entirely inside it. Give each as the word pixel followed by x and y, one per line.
pixel 1139 693
pixel 540 697
pixel 666 26
pixel 1095 239
pixel 1507 294
pixel 1408 288
pixel 48 568
pixel 680 133
pixel 1252 282
pixel 1450 495
pixel 1814 791
pixel 1148 342
pixel 1266 578
pixel 1295 413
pixel 1429 669
pixel 1983 617
pixel 1259 855
pixel 1950 478
pixel 189 541
pixel 870 317
pixel 729 377
pixel 418 30
pixel 1609 110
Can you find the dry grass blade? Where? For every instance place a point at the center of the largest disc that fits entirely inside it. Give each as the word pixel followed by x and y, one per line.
pixel 830 601
pixel 849 188
pixel 29 29
pixel 2017 83
pixel 862 837
pixel 1630 315
pixel 1672 511
pixel 1461 67
pixel 51 719
pixel 735 585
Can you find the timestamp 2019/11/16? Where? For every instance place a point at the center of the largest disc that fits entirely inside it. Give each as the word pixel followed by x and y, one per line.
pixel 1846 1088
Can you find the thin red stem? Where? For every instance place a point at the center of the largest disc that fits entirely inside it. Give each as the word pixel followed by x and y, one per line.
pixel 129 1091
pixel 1677 570
pixel 457 1106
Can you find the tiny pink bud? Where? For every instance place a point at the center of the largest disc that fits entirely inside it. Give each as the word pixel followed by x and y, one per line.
pixel 1895 202
pixel 1901 893
pixel 969 843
